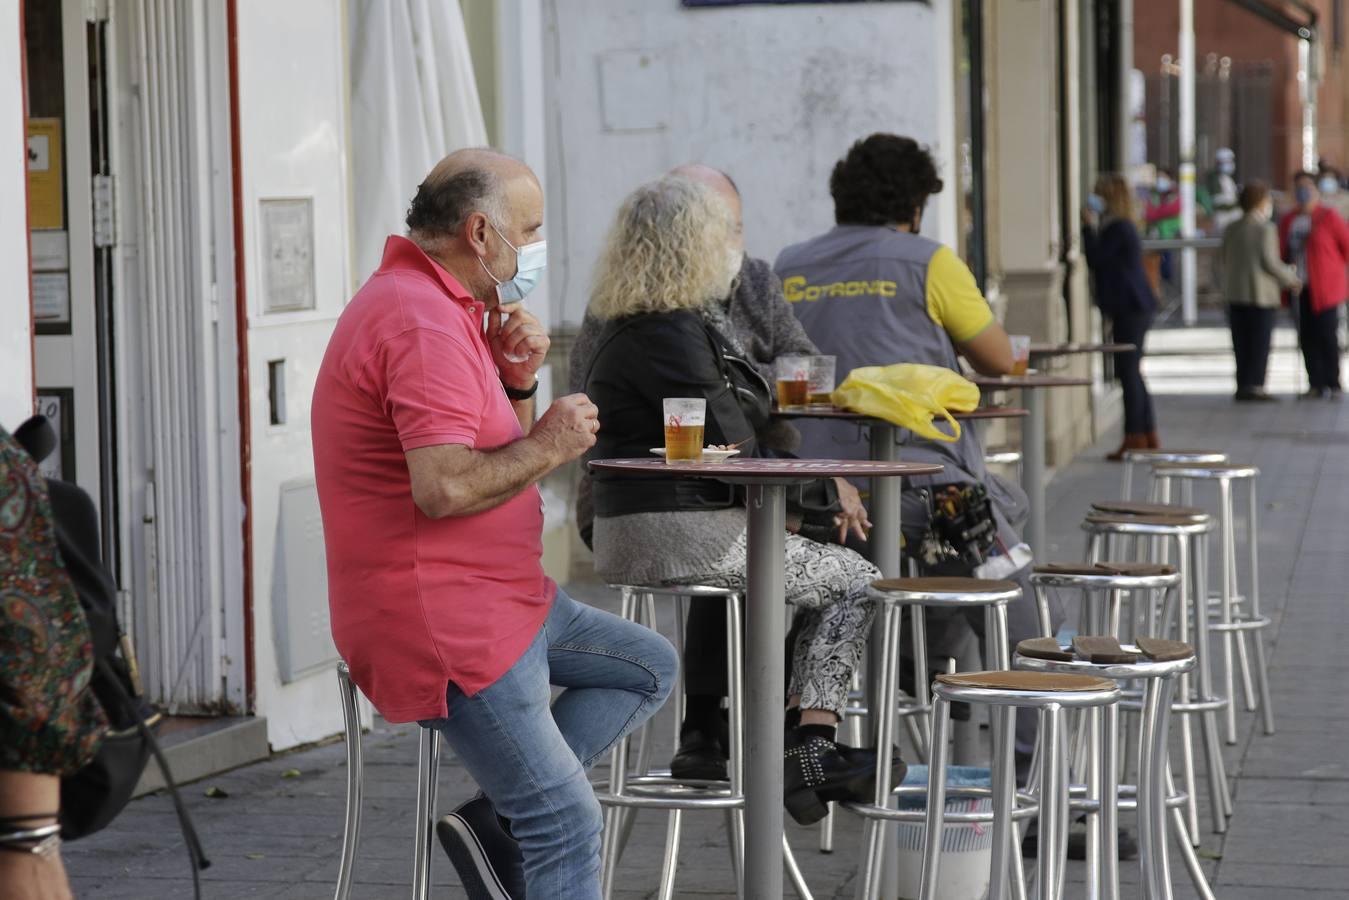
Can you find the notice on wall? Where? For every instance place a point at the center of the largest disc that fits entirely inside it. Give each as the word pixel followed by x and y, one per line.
pixel 287 227
pixel 51 298
pixel 46 180
pixel 51 251
pixel 58 405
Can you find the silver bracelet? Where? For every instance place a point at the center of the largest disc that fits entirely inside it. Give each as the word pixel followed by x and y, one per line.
pixel 30 834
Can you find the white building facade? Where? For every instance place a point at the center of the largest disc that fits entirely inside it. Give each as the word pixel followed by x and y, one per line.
pixel 189 220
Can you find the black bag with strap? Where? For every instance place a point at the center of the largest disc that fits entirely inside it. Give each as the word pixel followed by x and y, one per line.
pixel 93 796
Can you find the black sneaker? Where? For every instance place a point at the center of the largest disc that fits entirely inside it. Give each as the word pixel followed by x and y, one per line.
pixel 487 859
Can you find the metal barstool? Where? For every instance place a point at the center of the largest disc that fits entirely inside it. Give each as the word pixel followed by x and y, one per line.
pixel 1158 663
pixel 1105 588
pixel 1052 695
pixel 1238 613
pixel 892 595
pixel 428 764
pixel 624 794
pixel 1134 458
pixel 1187 536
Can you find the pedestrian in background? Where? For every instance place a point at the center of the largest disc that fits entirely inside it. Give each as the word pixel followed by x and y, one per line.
pixel 1252 277
pixel 1330 183
pixel 1314 238
pixel 1121 290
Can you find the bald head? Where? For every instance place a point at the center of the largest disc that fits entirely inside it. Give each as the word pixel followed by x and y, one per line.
pixel 471 212
pixel 714 178
pixel 718 181
pixel 466 181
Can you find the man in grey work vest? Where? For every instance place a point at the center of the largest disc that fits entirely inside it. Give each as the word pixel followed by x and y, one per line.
pixel 872 291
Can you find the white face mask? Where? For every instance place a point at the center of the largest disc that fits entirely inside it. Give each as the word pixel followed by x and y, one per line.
pixel 735 259
pixel 530 262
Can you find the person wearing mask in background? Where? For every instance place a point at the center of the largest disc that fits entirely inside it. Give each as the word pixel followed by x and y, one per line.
pixel 427 457
pixel 754 315
pixel 1253 275
pixel 50 722
pixel 1161 217
pixel 1121 291
pixel 1314 238
pixel 1223 192
pixel 1330 183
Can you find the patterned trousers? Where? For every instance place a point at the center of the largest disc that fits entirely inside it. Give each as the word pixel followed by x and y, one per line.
pixel 828 586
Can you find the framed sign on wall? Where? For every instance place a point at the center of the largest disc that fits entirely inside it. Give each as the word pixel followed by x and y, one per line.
pixel 58 405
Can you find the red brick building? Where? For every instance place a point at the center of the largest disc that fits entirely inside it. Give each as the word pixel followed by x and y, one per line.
pixel 1248 94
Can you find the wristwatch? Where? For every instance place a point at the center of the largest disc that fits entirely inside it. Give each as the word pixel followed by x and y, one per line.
pixel 519 393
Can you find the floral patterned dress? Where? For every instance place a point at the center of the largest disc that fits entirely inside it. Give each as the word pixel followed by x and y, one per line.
pixel 50 721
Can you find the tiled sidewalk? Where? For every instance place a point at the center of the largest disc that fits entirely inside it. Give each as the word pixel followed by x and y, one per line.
pixel 278 836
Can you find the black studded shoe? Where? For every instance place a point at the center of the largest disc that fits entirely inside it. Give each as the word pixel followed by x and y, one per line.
pixel 817 771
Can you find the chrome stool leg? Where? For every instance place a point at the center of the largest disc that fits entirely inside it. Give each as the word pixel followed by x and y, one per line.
pixel 428 766
pixel 735 680
pixel 611 844
pixel 1258 635
pixel 351 826
pixel 936 800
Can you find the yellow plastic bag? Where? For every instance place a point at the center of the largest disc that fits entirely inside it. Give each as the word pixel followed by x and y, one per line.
pixel 910 395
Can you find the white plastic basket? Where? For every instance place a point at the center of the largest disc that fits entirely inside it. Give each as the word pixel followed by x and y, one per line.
pixel 966 849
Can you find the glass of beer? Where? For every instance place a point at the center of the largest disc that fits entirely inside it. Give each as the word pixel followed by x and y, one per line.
pixel 793 377
pixel 821 380
pixel 684 421
pixel 1020 353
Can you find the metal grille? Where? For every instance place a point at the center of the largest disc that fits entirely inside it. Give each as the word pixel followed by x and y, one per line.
pixel 1233 108
pixel 176 623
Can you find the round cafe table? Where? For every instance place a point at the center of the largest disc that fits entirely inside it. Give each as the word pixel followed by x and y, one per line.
pixel 1070 348
pixel 1032 389
pixel 766 481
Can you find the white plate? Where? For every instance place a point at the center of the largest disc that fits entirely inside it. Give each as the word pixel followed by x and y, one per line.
pixel 709 455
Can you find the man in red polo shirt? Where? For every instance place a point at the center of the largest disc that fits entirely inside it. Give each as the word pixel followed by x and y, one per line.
pixel 427 458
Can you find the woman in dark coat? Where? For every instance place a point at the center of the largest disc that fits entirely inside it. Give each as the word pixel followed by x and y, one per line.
pixel 1120 286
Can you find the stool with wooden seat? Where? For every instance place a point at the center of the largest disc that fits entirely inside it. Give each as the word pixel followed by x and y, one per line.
pixel 428 765
pixel 1051 695
pixel 1143 457
pixel 1238 613
pixel 893 595
pixel 1180 539
pixel 1158 663
pixel 1121 582
pixel 624 794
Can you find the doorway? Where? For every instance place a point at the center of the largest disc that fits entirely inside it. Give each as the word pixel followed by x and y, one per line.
pixel 132 364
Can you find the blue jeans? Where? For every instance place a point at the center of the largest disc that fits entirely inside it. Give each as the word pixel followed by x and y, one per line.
pixel 530 757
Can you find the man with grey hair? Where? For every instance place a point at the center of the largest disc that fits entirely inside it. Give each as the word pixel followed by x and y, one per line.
pixel 427 457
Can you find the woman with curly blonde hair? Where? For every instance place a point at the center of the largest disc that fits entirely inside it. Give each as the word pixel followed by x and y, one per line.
pixel 673 251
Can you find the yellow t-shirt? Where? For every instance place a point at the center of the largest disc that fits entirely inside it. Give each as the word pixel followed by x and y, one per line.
pixel 953 298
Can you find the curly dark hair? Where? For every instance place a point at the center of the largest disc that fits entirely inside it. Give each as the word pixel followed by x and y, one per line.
pixel 883 180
